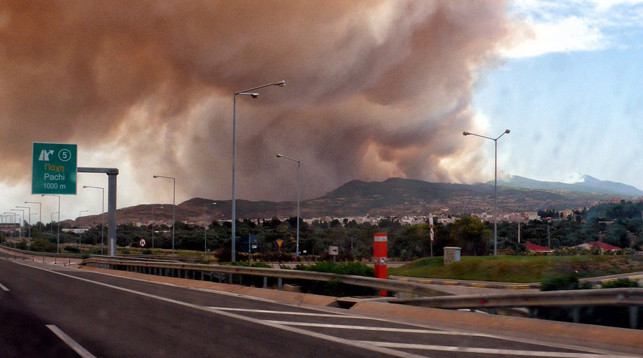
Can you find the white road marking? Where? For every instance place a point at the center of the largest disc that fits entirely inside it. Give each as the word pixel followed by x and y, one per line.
pixel 4 288
pixel 381 329
pixel 70 342
pixel 289 313
pixel 325 337
pixel 488 350
pixel 284 325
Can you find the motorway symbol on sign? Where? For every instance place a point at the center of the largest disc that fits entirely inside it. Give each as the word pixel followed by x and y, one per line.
pixel 54 168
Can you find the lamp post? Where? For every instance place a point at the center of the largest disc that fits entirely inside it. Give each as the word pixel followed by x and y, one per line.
pixel 29 220
pixel 51 219
pixel 13 219
pixel 246 92
pixel 58 226
pixel 298 192
pixel 205 229
pixel 495 186
pixel 173 205
pixel 39 212
pixel 80 234
pixel 22 219
pixel 102 214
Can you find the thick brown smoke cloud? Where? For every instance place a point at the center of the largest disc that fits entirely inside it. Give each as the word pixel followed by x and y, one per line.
pixel 375 89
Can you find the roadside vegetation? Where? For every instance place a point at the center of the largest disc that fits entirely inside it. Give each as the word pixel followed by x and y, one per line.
pixel 521 269
pixel 618 224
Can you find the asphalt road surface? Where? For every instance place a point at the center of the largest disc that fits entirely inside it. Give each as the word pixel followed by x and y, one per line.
pixel 52 311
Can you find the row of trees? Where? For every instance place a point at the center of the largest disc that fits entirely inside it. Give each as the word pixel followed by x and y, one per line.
pixel 355 240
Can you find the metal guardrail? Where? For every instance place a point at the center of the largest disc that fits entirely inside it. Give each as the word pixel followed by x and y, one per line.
pixel 572 298
pixel 41 253
pixel 187 270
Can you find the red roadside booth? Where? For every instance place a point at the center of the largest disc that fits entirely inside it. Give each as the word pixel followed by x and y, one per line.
pixel 380 254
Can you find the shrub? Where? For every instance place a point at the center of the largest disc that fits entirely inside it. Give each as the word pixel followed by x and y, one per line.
pixel 621 282
pixel 563 282
pixel 72 249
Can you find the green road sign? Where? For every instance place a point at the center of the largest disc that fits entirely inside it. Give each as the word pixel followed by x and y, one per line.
pixel 54 169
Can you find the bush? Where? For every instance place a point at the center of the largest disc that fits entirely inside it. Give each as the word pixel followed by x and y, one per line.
pixel 42 245
pixel 564 282
pixel 72 249
pixel 621 282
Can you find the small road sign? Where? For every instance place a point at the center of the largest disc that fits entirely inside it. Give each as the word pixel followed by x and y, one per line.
pixel 333 250
pixel 142 243
pixel 54 168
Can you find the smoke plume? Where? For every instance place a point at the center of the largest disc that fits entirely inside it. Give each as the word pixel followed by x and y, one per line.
pixel 375 89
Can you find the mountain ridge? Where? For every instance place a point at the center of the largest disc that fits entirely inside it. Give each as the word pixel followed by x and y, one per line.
pixel 394 197
pixel 588 185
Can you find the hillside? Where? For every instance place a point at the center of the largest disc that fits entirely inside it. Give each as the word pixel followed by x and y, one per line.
pixel 588 185
pixel 392 197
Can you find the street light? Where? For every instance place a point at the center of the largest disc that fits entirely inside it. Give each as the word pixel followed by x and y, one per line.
pixel 247 92
pixel 205 229
pixel 80 233
pixel 495 186
pixel 298 193
pixel 173 205
pixel 51 219
pixel 102 213
pixel 39 212
pixel 13 219
pixel 58 226
pixel 29 221
pixel 22 219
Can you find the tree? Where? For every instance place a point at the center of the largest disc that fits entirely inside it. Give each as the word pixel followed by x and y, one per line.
pixel 470 235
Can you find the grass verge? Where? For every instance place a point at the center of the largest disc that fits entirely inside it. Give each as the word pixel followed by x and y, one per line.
pixel 520 269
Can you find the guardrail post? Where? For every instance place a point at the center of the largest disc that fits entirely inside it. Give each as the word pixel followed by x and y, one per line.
pixel 280 283
pixel 576 314
pixel 265 282
pixel 634 317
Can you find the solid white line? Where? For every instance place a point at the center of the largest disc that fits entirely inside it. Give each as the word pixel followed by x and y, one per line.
pixel 339 340
pixel 70 342
pixel 304 332
pixel 289 313
pixel 382 329
pixel 4 288
pixel 509 352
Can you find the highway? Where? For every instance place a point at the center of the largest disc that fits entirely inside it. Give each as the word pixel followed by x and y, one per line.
pixel 54 311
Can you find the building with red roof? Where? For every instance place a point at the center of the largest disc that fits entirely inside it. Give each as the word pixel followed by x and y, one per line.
pixel 537 248
pixel 601 245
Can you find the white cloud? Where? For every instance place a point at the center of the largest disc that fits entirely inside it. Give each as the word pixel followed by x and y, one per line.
pixel 574 25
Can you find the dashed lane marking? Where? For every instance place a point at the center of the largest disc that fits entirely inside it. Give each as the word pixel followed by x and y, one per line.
pixel 70 342
pixel 333 339
pixel 4 288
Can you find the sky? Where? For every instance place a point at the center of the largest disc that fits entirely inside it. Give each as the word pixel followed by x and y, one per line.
pixel 374 89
